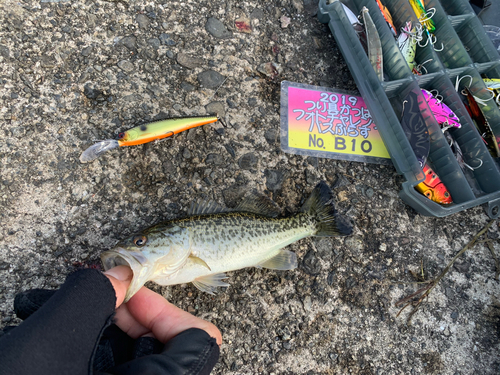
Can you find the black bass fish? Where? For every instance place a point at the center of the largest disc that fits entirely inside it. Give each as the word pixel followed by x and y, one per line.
pixel 211 241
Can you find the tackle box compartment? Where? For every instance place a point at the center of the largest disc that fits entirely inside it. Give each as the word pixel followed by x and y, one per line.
pixel 467 53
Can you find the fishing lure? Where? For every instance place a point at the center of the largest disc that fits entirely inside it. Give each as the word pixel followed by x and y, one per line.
pixel 482 124
pixel 433 188
pixel 424 17
pixel 146 133
pixel 387 15
pixel 407 43
pixel 358 27
pixel 457 152
pixel 374 44
pixel 350 15
pixel 443 114
pixel 418 69
pixel 493 85
pixel 425 20
pixel 415 129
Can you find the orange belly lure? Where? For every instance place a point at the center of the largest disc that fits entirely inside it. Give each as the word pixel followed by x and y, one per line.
pixel 145 133
pixel 433 188
pixel 161 129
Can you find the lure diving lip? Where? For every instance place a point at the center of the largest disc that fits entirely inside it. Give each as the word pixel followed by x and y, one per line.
pixel 145 133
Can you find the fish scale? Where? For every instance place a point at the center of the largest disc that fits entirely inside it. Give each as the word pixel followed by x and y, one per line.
pixel 202 247
pixel 257 239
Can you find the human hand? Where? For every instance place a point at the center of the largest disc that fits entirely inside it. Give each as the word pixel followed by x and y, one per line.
pixel 75 326
pixel 149 314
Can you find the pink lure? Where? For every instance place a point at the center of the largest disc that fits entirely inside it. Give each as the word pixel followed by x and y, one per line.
pixel 443 114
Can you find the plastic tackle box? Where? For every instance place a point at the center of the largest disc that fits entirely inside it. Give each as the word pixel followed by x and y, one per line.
pixel 467 51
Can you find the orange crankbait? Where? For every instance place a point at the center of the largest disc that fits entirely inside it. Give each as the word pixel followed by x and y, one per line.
pixel 146 133
pixel 433 188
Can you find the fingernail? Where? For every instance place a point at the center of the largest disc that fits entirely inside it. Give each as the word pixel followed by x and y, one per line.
pixel 122 273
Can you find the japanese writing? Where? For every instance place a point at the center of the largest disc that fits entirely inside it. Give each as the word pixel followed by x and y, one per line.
pixel 336 114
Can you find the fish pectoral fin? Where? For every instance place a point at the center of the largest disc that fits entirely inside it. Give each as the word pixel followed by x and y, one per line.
pixel 199 261
pixel 209 283
pixel 284 260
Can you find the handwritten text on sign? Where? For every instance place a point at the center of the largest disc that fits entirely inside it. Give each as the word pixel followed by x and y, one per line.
pixel 332 122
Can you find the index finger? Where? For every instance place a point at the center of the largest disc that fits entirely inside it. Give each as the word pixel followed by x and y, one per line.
pixel 165 320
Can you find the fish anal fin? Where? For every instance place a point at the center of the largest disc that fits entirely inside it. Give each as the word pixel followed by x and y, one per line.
pixel 199 261
pixel 258 203
pixel 284 260
pixel 209 283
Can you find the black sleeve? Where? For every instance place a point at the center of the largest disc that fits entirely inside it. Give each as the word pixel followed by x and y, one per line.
pixel 192 352
pixel 70 331
pixel 61 336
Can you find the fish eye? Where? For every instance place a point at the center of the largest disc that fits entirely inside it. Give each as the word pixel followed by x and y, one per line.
pixel 140 240
pixel 121 135
pixel 446 194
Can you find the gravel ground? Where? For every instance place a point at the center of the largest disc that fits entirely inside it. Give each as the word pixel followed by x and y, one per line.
pixel 75 72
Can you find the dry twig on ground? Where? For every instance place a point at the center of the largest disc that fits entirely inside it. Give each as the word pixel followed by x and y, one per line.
pixel 423 292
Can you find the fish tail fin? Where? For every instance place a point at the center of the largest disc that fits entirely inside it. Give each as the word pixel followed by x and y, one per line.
pixel 320 206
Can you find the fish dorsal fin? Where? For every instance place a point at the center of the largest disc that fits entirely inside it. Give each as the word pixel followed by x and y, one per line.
pixel 258 203
pixel 206 208
pixel 284 260
pixel 209 283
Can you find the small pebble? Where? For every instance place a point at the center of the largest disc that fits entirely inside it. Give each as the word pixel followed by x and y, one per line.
pixel 285 21
pixel 248 161
pixel 143 21
pixel 126 66
pixel 210 79
pixel 217 29
pixel 307 302
pixel 369 193
pixel 86 51
pixel 167 40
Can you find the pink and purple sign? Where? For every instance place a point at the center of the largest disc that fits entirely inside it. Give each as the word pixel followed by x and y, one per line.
pixel 325 123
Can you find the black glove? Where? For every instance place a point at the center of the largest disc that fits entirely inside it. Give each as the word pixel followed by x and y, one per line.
pixel 70 331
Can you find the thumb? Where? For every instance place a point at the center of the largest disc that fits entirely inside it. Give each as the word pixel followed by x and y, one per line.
pixel 120 277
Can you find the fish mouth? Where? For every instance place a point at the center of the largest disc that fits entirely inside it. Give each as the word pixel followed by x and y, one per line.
pixel 133 259
pixel 122 257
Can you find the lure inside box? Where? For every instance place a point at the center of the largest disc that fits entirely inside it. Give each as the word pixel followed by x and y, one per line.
pixel 467 51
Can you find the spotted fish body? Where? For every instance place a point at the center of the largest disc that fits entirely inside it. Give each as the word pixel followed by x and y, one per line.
pixel 202 247
pixel 232 241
